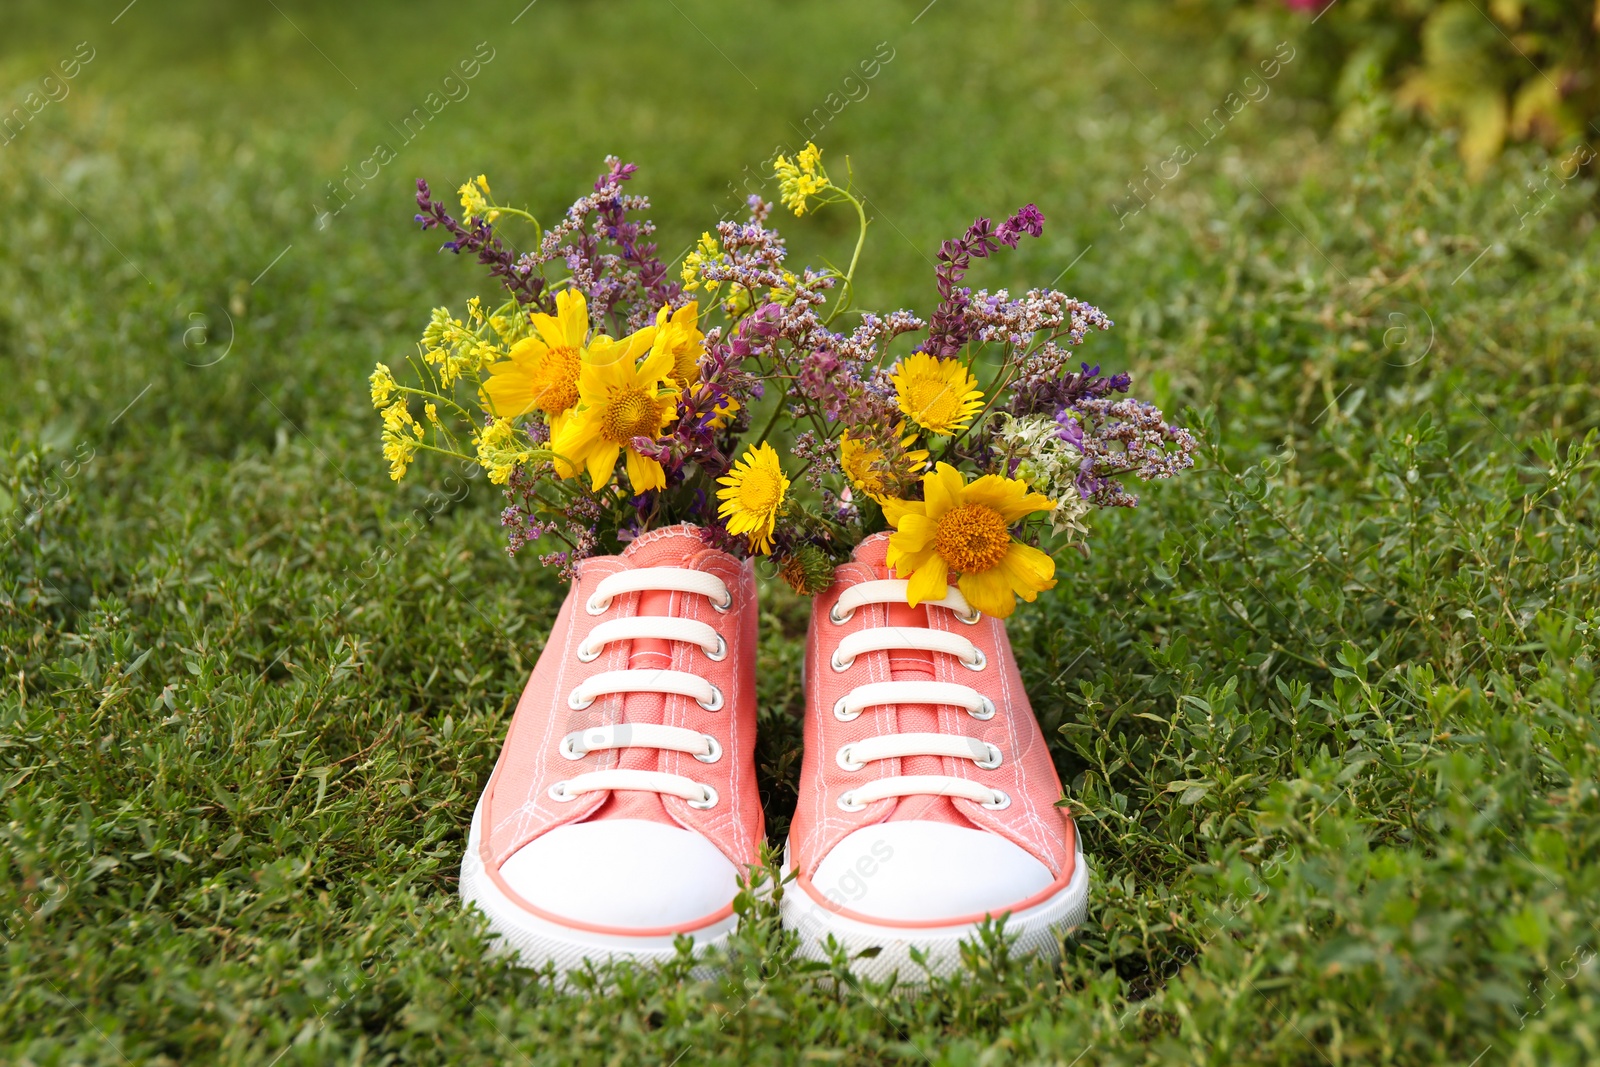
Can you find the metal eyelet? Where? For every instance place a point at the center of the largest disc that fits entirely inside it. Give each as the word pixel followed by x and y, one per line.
pixel 713 750
pixel 972 619
pixel 837 619
pixel 585 656
pixel 722 608
pixel 844 714
pixel 721 652
pixel 995 756
pixel 978 661
pixel 570 749
pixel 709 801
pixel 559 794
pixel 597 609
pixel 840 668
pixel 1000 802
pixel 985 712
pixel 842 757
pixel 847 802
pixel 575 704
pixel 716 700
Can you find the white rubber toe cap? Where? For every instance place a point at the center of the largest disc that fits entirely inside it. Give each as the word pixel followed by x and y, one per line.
pixel 629 873
pixel 926 871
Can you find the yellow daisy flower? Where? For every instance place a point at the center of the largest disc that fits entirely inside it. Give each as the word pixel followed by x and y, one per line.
pixel 754 495
pixel 681 335
pixel 966 529
pixel 541 371
pixel 940 395
pixel 868 468
pixel 619 398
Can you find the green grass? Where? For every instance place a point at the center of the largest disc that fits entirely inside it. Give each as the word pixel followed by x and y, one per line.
pixel 1325 707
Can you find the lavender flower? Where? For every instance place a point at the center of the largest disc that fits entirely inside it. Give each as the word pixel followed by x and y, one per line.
pixel 632 277
pixel 518 278
pixel 1041 387
pixel 1122 437
pixel 951 331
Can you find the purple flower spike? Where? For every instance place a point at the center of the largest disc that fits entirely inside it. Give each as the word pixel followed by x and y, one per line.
pixel 950 331
pixel 480 238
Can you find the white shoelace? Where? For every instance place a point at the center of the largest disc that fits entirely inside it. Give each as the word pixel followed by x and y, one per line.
pixel 857 754
pixel 703 747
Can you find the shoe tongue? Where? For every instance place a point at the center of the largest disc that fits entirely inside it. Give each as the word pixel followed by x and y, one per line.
pixel 910 665
pixel 672 546
pixel 905 665
pixel 873 551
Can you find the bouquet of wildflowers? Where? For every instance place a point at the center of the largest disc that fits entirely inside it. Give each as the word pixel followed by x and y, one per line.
pixel 609 395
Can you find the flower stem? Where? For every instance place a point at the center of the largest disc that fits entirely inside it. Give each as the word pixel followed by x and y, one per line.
pixel 777 413
pixel 848 296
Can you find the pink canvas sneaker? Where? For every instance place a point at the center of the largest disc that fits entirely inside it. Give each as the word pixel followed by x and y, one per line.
pixel 623 808
pixel 927 795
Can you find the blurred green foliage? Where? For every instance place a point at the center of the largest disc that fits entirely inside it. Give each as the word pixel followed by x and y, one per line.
pixel 1492 71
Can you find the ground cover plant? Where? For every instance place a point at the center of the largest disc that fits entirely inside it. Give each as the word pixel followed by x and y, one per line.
pixel 1324 706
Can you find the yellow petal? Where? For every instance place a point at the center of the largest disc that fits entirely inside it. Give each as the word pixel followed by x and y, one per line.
pixel 989 592
pixel 895 510
pixel 658 366
pixel 1008 496
pixel 508 392
pixel 529 350
pixel 1027 570
pixel 904 564
pixel 942 489
pixel 563 439
pixel 602 462
pixel 573 311
pixel 645 473
pixel 572 439
pixel 605 368
pixel 928 582
pixel 639 342
pixel 551 332
pixel 914 532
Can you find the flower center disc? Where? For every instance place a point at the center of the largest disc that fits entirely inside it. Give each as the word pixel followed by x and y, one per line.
pixel 629 414
pixel 972 538
pixel 758 491
pixel 935 403
pixel 556 380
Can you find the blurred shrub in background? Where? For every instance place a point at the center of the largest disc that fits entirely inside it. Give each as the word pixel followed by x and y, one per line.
pixel 1491 70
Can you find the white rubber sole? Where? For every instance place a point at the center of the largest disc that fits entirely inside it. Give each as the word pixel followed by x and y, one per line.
pixel 536 942
pixel 1035 931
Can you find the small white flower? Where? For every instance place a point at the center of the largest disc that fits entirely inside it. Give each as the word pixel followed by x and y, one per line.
pixel 1049 465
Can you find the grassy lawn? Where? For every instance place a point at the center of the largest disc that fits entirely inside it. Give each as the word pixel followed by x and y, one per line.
pixel 1325 706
